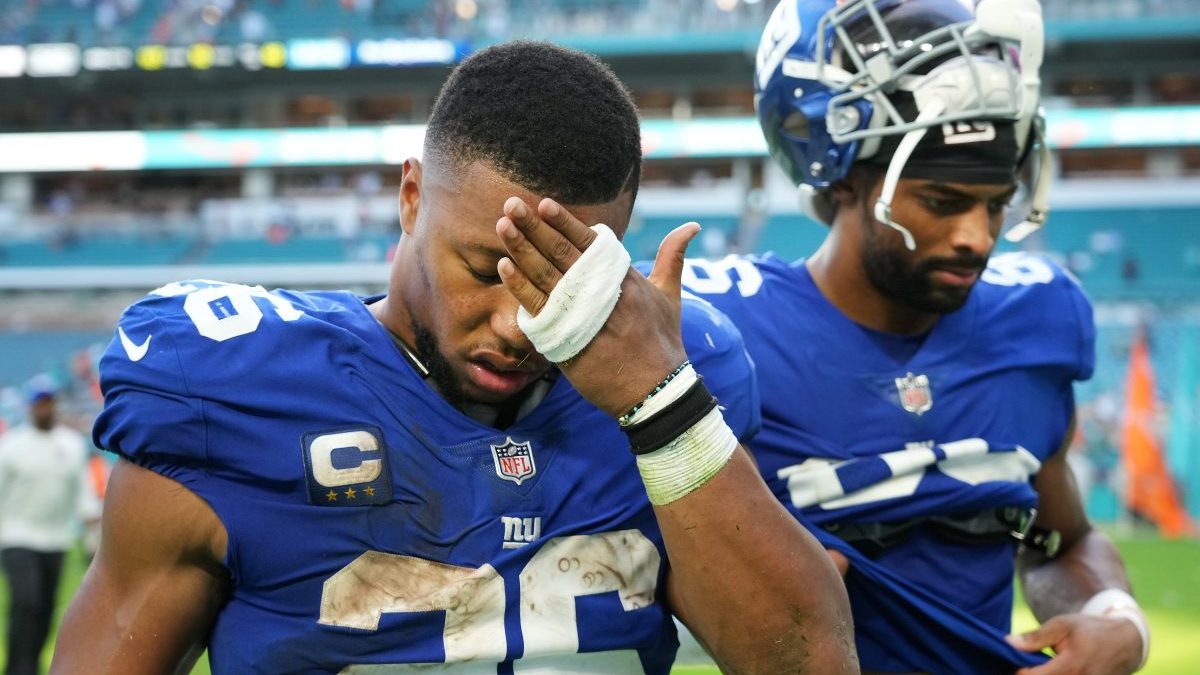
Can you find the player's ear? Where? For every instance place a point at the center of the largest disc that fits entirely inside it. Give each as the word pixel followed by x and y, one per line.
pixel 844 194
pixel 860 186
pixel 410 194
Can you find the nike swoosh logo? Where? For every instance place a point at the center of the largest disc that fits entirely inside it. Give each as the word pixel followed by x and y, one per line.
pixel 135 351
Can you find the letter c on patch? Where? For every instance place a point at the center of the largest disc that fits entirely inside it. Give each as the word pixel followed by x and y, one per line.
pixel 321 454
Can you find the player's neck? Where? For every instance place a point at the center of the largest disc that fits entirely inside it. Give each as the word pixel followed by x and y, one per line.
pixel 394 317
pixel 837 270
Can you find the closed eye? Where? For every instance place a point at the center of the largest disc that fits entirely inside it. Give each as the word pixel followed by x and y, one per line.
pixel 490 279
pixel 950 205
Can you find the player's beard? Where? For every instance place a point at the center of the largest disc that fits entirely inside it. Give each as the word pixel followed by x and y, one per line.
pixel 440 371
pixel 893 271
pixel 446 382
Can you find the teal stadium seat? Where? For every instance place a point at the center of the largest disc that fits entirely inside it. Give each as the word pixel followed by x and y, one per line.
pixel 372 248
pixel 95 251
pixel 296 250
pixel 1117 253
pixel 42 351
pixel 790 236
pixel 646 233
pixel 62 21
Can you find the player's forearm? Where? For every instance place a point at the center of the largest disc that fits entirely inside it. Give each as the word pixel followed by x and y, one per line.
pixel 1063 584
pixel 754 585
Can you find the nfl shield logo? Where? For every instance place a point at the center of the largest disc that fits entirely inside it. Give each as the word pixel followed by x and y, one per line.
pixel 514 461
pixel 915 396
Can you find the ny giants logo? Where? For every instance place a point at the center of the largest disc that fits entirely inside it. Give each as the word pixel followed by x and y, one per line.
pixel 514 461
pixel 957 133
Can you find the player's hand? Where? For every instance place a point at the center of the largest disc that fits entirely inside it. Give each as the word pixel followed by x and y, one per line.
pixel 640 344
pixel 1083 645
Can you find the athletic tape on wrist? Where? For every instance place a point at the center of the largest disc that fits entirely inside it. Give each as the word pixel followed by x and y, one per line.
pixel 689 461
pixel 1115 602
pixel 580 304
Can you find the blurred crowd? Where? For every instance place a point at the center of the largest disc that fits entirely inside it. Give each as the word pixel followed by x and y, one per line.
pixel 75 382
pixel 135 22
pixel 172 22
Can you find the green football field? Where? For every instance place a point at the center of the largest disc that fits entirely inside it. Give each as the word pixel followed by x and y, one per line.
pixel 1165 575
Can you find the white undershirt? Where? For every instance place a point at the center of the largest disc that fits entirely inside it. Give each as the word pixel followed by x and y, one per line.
pixel 45 491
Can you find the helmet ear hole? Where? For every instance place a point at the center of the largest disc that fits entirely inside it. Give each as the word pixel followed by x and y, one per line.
pixel 796 125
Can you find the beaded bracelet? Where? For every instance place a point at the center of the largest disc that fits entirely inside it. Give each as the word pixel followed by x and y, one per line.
pixel 627 419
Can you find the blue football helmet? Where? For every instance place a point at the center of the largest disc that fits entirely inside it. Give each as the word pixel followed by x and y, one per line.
pixel 828 75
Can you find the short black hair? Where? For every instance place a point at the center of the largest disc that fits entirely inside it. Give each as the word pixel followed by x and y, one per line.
pixel 553 120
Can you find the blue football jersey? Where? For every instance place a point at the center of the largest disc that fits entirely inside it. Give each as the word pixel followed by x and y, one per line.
pixel 863 427
pixel 372 524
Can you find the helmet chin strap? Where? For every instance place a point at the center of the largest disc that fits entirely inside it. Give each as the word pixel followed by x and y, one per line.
pixel 883 206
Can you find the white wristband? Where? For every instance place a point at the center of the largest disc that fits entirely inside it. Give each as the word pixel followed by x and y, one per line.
pixel 581 302
pixel 1115 602
pixel 671 392
pixel 689 461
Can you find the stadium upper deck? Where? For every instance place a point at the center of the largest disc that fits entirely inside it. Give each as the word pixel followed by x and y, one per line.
pixel 270 130
pixel 158 64
pixel 90 23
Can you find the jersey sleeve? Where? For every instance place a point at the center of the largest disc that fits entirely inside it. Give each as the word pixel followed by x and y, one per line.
pixel 150 416
pixel 1041 316
pixel 1086 325
pixel 716 350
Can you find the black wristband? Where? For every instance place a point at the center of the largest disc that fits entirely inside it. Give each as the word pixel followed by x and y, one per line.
pixel 667 425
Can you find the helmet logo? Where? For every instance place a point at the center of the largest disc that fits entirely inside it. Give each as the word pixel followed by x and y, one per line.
pixel 957 133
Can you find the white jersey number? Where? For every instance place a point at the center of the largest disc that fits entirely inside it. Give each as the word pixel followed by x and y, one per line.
pixel 563 569
pixel 225 311
pixel 716 277
pixel 1015 269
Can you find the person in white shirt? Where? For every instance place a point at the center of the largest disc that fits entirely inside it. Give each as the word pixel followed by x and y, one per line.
pixel 45 496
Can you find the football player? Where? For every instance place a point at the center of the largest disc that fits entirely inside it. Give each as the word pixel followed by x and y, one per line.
pixel 917 392
pixel 311 482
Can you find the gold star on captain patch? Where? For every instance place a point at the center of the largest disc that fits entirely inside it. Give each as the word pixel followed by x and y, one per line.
pixel 369 491
pixel 350 493
pixel 331 496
